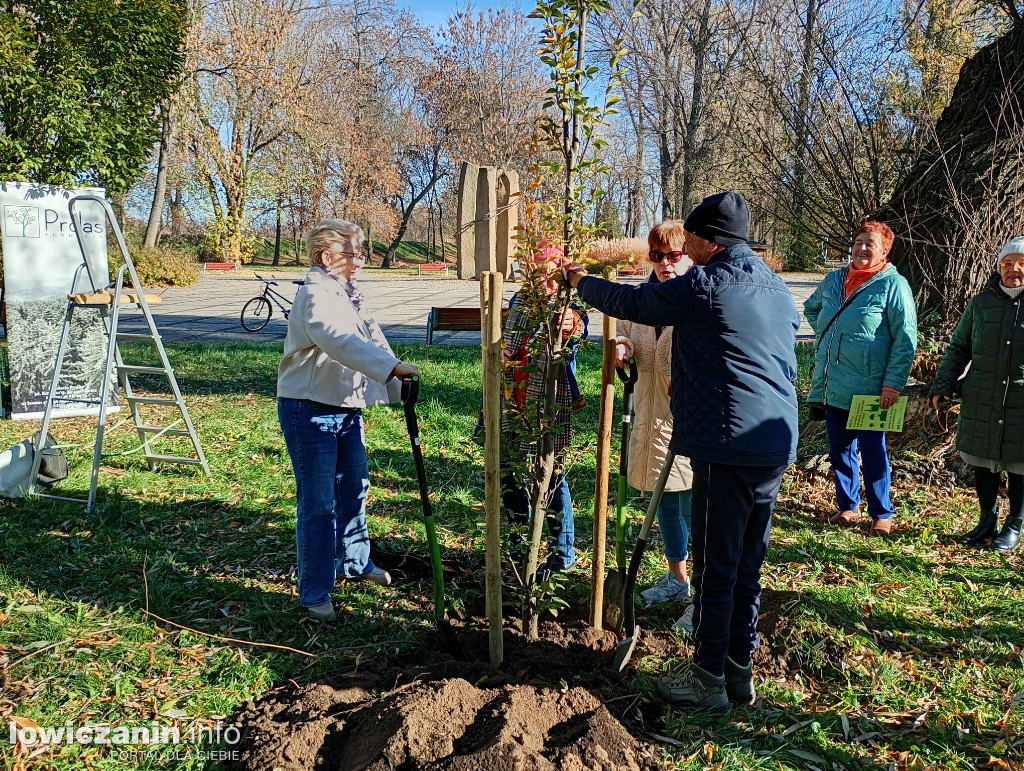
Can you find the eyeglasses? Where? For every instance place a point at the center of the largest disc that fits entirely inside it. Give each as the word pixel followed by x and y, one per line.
pixel 349 255
pixel 656 256
pixel 1017 264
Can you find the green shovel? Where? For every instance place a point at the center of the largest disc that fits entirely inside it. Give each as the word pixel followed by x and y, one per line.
pixel 410 393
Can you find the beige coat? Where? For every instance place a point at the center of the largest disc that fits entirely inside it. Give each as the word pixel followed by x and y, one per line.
pixel 332 353
pixel 652 418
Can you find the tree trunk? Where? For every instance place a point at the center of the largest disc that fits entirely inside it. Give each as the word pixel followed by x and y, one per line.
pixel 156 211
pixel 389 255
pixel 407 216
pixel 964 196
pixel 800 249
pixel 119 199
pixel 177 208
pixel 277 236
pixel 665 167
pixel 296 240
pixel 211 188
pixel 234 223
pixel 440 228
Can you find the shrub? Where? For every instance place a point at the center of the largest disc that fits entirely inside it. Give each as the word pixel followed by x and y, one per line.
pixel 633 251
pixel 616 251
pixel 212 247
pixel 161 266
pixel 771 257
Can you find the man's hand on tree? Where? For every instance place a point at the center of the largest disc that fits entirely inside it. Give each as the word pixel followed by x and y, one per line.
pixel 573 273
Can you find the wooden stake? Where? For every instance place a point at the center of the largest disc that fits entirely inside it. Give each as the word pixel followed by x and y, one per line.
pixel 491 286
pixel 604 444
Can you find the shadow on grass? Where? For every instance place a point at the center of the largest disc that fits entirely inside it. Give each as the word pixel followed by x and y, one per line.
pixel 867 608
pixel 224 569
pixel 251 367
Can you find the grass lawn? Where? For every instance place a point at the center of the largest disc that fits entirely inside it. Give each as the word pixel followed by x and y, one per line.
pixel 910 647
pixel 408 252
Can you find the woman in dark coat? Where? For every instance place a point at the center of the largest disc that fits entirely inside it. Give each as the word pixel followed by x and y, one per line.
pixel 990 435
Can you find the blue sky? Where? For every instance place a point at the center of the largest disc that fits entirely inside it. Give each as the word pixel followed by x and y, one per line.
pixel 434 12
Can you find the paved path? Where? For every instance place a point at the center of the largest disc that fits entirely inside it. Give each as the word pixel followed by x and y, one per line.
pixel 210 310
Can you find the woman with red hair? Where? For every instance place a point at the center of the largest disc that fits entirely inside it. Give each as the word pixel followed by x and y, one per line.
pixel 866 326
pixel 651 349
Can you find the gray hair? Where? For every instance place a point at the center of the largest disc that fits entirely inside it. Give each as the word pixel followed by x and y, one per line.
pixel 327 232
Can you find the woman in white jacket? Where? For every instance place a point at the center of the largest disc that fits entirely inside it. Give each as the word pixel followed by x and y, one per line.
pixel 336 361
pixel 651 348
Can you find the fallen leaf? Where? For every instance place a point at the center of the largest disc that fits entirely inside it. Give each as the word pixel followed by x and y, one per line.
pixel 797 727
pixel 668 740
pixel 806 756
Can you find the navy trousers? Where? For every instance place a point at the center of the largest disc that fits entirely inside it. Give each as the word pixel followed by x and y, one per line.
pixel 732 517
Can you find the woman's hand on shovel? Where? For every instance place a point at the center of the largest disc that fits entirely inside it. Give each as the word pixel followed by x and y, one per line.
pixel 404 371
pixel 622 354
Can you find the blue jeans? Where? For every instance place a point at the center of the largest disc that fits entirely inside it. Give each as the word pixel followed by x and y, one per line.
pixel 561 524
pixel 328 454
pixel 842 451
pixel 570 377
pixel 674 522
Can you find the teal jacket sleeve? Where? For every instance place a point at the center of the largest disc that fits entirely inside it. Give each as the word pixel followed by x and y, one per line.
pixel 901 314
pixel 812 307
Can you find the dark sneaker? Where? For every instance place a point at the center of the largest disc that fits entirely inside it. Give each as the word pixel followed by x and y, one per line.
pixel 739 682
pixel 695 688
pixel 553 565
pixel 685 621
pixel 323 612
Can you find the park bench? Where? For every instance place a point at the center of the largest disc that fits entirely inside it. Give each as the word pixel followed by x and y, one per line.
pixel 220 266
pixel 630 270
pixel 432 267
pixel 458 319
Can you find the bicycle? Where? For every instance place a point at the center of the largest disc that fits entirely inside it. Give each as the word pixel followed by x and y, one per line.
pixel 256 311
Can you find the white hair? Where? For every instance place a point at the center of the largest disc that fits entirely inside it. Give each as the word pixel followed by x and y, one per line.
pixel 327 232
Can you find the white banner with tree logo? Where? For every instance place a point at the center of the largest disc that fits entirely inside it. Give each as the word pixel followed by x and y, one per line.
pixel 41 255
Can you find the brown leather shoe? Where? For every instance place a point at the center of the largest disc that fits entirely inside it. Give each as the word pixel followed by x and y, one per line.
pixel 880 527
pixel 846 518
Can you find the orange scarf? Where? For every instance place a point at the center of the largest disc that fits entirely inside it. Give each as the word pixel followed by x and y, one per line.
pixel 854 277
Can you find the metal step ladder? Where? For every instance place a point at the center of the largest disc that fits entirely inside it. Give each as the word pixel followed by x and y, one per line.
pixel 109 306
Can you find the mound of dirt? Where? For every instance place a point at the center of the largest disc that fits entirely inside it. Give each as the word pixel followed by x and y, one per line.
pixel 443 725
pixel 555 704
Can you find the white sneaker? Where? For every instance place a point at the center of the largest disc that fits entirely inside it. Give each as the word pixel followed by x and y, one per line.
pixel 668 588
pixel 377 576
pixel 685 621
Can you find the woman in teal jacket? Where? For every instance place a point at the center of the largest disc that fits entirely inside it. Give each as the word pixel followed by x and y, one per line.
pixel 867 349
pixel 990 433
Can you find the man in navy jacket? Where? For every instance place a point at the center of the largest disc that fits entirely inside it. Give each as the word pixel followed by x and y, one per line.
pixel 734 415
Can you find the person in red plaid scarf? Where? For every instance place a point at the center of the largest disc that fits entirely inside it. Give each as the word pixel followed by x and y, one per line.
pixel 528 373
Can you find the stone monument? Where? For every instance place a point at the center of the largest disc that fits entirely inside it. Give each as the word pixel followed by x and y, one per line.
pixel 488 213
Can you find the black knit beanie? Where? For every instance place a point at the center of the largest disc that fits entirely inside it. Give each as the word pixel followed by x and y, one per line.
pixel 722 218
